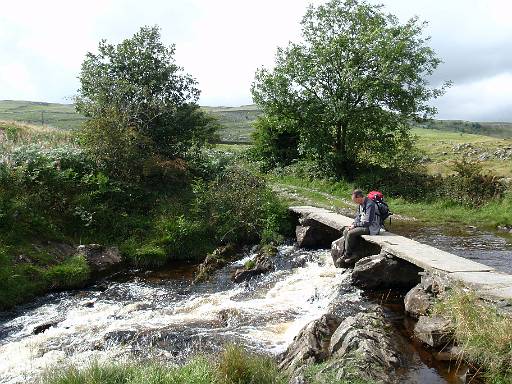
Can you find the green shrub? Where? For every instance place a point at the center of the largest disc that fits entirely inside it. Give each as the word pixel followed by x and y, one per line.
pixel 149 256
pixel 240 208
pixel 184 238
pixel 471 186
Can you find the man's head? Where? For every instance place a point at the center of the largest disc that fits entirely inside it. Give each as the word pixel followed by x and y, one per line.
pixel 357 196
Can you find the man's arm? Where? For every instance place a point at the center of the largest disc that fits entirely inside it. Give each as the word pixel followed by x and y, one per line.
pixel 357 219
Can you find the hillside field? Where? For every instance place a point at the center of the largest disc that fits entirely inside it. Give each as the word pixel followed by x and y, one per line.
pixel 441 141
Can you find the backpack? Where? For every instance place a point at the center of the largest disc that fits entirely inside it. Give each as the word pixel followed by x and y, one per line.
pixel 382 207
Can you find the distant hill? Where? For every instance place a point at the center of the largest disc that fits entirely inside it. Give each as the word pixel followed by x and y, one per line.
pixel 493 129
pixel 61 116
pixel 237 122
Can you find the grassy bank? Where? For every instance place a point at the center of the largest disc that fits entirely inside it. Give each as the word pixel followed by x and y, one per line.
pixel 234 366
pixel 440 212
pixel 484 335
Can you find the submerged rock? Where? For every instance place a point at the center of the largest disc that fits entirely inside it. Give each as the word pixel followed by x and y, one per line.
pixel 311 345
pixel 262 264
pixel 99 257
pixel 41 328
pixel 384 271
pixel 434 331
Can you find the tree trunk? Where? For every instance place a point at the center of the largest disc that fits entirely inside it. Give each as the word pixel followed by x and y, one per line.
pixel 341 148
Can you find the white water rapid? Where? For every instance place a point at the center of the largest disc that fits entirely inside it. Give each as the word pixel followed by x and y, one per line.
pixel 169 319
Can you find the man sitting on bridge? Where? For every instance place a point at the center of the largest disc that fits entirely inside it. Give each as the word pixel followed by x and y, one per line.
pixel 366 222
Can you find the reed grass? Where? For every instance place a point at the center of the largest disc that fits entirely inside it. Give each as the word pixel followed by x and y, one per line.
pixel 484 334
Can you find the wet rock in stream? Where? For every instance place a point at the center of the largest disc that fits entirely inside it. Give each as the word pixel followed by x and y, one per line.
pixel 362 346
pixel 311 345
pixel 261 264
pixel 434 331
pixel 417 302
pixel 384 271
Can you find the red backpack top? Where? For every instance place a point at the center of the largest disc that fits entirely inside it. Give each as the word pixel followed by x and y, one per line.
pixel 376 196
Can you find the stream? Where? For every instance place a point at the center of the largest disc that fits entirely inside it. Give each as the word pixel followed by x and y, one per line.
pixel 161 315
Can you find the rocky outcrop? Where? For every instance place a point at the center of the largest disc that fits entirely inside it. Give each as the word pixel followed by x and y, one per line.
pixel 384 271
pixel 367 345
pixel 434 331
pixel 359 347
pixel 99 257
pixel 311 345
pixel 261 264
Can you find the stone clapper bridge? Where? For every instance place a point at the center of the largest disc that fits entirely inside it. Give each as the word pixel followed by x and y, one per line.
pixel 485 280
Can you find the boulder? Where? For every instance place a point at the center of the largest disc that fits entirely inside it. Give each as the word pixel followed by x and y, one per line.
pixel 364 347
pixel 99 257
pixel 311 345
pixel 418 301
pixel 305 236
pixel 312 234
pixel 434 331
pixel 337 252
pixel 262 264
pixel 384 271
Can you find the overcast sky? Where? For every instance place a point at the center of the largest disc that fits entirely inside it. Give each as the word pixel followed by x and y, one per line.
pixel 222 42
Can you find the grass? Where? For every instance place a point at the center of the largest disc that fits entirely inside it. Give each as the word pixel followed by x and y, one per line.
pixel 495 129
pixel 236 121
pixel 234 366
pixel 14 134
pixel 318 374
pixel 20 281
pixel 62 116
pixel 332 194
pixel 443 147
pixel 484 335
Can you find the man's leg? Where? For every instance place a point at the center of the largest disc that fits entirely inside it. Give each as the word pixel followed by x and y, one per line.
pixel 352 237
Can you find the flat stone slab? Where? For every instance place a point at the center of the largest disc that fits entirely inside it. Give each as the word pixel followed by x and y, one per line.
pixel 476 275
pixel 425 256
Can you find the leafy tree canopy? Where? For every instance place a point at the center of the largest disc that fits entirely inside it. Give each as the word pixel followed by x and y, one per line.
pixel 140 104
pixel 348 89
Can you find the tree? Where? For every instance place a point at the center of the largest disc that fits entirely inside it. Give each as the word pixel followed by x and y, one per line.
pixel 350 87
pixel 140 104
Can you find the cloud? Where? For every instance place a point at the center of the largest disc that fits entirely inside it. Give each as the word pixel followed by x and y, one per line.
pixel 16 80
pixel 223 42
pixel 489 99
